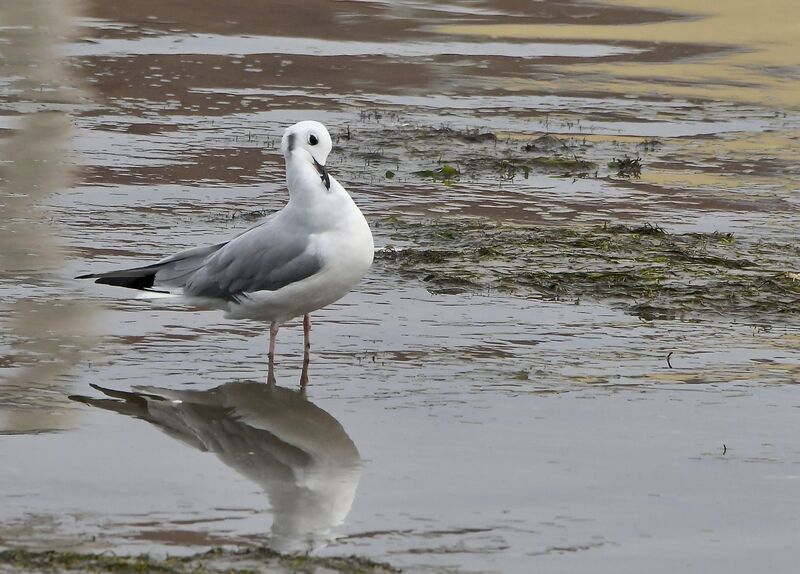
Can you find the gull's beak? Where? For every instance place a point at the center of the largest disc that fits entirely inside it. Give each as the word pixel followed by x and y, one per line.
pixel 323 173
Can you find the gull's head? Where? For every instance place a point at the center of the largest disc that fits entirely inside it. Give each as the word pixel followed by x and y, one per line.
pixel 310 142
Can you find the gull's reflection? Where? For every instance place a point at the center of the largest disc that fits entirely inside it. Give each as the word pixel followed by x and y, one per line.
pixel 298 453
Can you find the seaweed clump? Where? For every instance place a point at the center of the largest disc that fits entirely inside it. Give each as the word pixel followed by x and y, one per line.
pixel 261 561
pixel 627 167
pixel 643 269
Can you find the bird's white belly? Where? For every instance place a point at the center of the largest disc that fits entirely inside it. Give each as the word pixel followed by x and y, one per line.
pixel 346 258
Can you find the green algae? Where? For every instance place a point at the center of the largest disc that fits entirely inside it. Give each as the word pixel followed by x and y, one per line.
pixel 408 151
pixel 643 269
pixel 261 561
pixel 445 173
pixel 562 163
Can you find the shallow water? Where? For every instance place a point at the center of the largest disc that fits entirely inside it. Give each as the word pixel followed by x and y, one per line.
pixel 493 432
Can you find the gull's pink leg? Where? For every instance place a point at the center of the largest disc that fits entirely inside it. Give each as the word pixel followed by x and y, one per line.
pixel 273 333
pixel 306 349
pixel 306 335
pixel 304 378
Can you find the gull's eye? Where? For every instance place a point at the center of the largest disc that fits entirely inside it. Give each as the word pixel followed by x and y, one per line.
pixel 312 139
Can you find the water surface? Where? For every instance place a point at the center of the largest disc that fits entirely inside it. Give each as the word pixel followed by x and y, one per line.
pixel 482 432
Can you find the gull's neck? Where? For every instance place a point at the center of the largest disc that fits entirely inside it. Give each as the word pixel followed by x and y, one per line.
pixel 301 175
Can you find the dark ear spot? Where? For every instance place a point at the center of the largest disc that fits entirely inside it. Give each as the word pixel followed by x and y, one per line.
pixel 312 139
pixel 291 142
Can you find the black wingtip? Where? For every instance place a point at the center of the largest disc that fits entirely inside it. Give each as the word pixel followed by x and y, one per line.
pixel 87 276
pixel 140 282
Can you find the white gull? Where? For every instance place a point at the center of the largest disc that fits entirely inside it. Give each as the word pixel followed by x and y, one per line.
pixel 297 260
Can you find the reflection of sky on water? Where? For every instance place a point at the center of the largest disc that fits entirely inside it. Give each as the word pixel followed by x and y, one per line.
pixel 231 45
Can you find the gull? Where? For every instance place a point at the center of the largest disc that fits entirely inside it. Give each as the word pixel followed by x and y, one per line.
pixel 297 260
pixel 299 454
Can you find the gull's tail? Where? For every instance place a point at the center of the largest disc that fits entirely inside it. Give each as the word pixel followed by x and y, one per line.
pixel 164 276
pixel 136 278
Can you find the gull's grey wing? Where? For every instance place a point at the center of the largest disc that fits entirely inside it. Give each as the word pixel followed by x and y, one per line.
pixel 265 258
pixel 174 271
pixel 171 272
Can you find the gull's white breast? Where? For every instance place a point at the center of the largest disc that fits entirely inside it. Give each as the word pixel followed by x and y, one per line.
pixel 345 248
